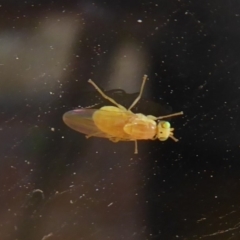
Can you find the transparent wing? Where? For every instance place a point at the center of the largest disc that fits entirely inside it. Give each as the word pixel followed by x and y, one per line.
pixel 81 121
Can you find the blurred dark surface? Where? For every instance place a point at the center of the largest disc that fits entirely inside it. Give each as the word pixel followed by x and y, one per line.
pixel 55 184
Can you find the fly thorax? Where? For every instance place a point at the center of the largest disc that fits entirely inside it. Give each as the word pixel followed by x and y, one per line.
pixel 140 127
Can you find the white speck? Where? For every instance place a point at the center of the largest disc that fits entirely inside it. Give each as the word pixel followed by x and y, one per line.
pixel 62 136
pixel 52 129
pixel 110 204
pixel 71 201
pixel 83 195
pixel 216 197
pixel 139 21
pixel 47 236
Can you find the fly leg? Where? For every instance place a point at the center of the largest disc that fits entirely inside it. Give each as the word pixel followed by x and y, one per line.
pixel 170 115
pixel 135 147
pixel 105 96
pixel 92 135
pixel 140 94
pixel 113 139
pixel 166 116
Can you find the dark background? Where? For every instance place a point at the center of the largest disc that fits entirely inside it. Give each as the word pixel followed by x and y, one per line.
pixel 55 184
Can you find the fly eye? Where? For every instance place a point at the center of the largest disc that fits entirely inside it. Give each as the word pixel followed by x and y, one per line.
pixel 166 125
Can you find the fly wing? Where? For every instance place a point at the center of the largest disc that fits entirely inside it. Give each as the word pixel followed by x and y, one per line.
pixel 81 121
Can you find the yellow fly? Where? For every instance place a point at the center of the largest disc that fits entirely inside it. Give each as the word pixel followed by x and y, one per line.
pixel 118 123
